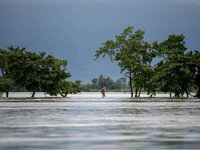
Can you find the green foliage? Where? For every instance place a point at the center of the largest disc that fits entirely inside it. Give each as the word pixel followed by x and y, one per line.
pixel 132 52
pixel 195 68
pixel 87 88
pixel 176 73
pixel 4 86
pixel 76 87
pixel 94 83
pixel 173 74
pixel 35 71
pixel 5 83
pixel 99 83
pixel 65 87
pixel 52 72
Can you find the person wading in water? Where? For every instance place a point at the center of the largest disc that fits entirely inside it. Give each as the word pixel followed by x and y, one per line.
pixel 103 92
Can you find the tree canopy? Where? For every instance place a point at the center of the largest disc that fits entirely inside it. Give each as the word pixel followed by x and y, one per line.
pixel 36 71
pixel 176 72
pixel 5 84
pixel 133 54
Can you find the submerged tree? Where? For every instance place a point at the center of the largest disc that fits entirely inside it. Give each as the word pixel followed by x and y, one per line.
pixel 6 84
pixel 65 87
pixel 197 75
pixel 173 73
pixel 35 71
pixel 130 50
pixel 195 68
pixel 76 87
pixel 52 73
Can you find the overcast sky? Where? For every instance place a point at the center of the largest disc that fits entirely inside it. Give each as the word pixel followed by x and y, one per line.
pixel 83 1
pixel 74 29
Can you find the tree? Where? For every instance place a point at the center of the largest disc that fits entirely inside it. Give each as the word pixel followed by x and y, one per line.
pixel 130 50
pixel 173 73
pixel 86 88
pixel 65 88
pixel 6 84
pixel 23 69
pixel 94 83
pixel 141 77
pixel 197 77
pixel 123 80
pixel 52 73
pixel 76 87
pixel 119 84
pixel 195 68
pixel 101 81
pixel 35 71
pixel 109 83
pixel 4 87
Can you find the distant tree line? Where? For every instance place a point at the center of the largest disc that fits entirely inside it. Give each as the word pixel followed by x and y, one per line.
pixel 26 71
pixel 176 73
pixel 99 83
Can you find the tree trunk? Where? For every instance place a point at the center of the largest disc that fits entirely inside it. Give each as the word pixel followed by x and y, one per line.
pixel 136 91
pixel 131 84
pixel 198 83
pixel 7 93
pixel 170 94
pixel 33 95
pixel 198 92
pixel 65 95
pixel 182 94
pixel 139 91
pixel 4 78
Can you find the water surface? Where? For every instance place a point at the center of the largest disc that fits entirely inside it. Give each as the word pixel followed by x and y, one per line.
pixel 87 121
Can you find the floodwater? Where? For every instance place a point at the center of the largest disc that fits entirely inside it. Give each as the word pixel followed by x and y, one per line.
pixel 86 121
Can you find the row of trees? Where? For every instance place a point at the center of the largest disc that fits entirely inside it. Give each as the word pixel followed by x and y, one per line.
pixel 176 72
pixel 99 83
pixel 35 72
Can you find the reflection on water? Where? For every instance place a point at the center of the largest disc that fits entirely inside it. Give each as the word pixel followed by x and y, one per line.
pixel 87 121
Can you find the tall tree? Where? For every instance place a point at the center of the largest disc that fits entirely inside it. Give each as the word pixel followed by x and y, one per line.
pixel 76 87
pixel 53 71
pixel 109 83
pixel 94 83
pixel 118 84
pixel 173 73
pixel 35 71
pixel 129 49
pixel 195 67
pixel 101 81
pixel 6 84
pixel 24 69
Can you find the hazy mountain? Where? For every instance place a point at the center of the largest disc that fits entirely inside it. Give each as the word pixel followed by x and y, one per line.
pixel 73 30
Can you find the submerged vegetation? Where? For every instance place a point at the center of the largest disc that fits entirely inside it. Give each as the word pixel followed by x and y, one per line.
pixel 177 72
